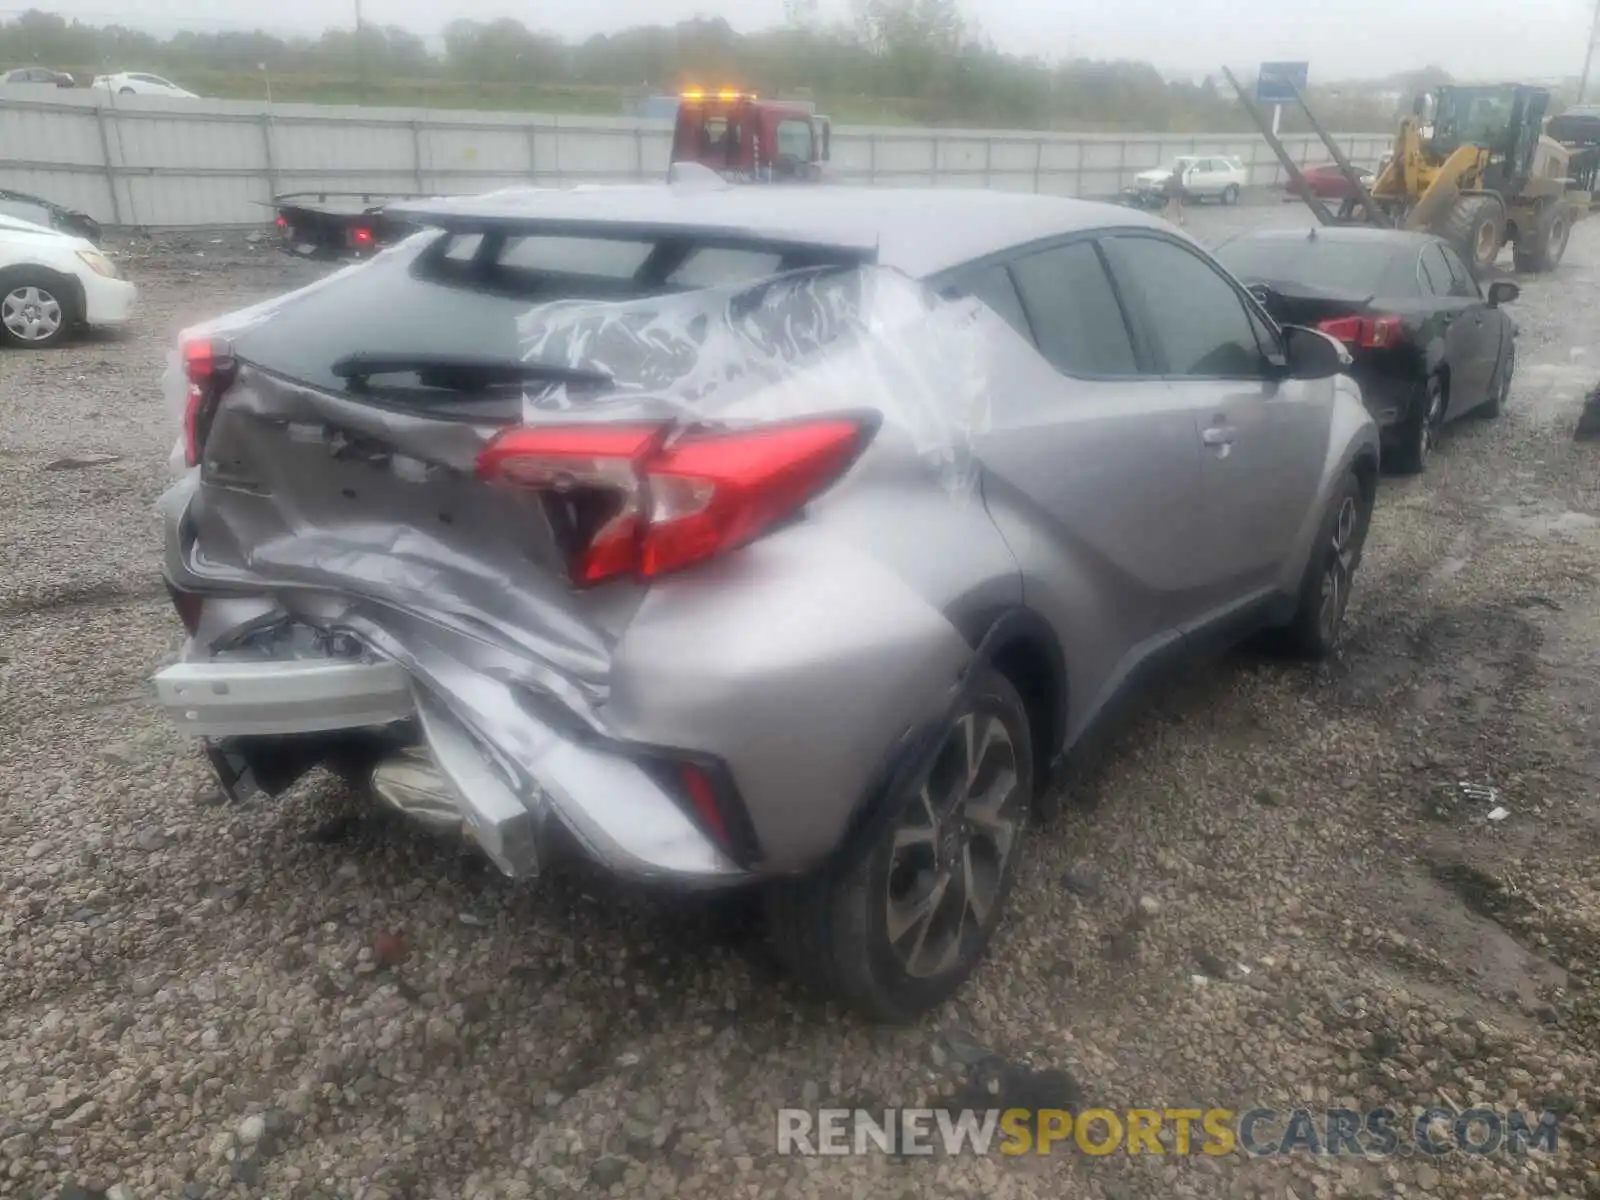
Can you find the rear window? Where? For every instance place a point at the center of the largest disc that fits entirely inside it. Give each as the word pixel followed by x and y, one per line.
pixel 467 294
pixel 1344 267
pixel 597 257
pixel 601 268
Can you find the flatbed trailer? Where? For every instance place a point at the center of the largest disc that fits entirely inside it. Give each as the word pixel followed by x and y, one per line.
pixel 335 225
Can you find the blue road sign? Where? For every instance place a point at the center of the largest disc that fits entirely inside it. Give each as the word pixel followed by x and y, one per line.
pixel 1272 84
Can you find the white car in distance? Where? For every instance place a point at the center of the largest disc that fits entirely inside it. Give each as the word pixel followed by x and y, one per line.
pixel 52 283
pixel 133 83
pixel 1205 177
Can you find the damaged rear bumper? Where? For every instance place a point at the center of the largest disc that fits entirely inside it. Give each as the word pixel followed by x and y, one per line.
pixel 259 716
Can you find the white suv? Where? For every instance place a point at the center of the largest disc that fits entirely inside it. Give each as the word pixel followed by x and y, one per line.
pixel 1213 177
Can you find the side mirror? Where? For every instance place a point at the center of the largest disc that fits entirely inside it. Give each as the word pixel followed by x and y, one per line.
pixel 1312 354
pixel 1503 291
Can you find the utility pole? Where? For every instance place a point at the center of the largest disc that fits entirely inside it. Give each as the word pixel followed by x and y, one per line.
pixel 360 50
pixel 1588 54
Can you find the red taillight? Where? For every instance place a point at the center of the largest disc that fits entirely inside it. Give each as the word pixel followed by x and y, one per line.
pixel 283 221
pixel 208 366
pixel 625 500
pixel 361 237
pixel 1368 333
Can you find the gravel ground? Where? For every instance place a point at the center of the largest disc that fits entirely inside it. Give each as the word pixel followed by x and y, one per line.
pixel 1268 889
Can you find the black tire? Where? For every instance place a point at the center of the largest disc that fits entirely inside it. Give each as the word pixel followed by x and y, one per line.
pixel 1545 247
pixel 1473 227
pixel 1500 389
pixel 833 930
pixel 1419 432
pixel 1230 194
pixel 1318 623
pixel 37 309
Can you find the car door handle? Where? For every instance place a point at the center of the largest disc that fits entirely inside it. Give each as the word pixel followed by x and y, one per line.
pixel 1218 435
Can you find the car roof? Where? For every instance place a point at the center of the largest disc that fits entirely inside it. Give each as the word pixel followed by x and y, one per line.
pixel 921 231
pixel 1340 235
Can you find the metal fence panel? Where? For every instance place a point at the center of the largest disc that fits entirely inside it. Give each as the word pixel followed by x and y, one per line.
pixel 158 162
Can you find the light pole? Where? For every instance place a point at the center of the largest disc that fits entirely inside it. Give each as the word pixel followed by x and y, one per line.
pixel 1588 54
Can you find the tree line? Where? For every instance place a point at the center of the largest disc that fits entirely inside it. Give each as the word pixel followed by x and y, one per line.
pixel 921 61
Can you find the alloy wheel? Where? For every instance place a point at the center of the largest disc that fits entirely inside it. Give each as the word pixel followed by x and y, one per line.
pixel 952 848
pixel 1432 421
pixel 1340 567
pixel 31 314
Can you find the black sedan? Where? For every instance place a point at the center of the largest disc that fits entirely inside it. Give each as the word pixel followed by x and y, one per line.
pixel 1429 345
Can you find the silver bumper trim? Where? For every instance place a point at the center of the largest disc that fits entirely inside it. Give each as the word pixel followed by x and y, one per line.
pixel 502 771
pixel 226 699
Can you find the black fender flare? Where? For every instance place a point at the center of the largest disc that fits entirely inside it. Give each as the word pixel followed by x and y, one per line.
pixel 912 759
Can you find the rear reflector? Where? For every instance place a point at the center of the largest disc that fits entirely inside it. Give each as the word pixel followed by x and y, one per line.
pixel 703 796
pixel 208 366
pixel 361 237
pixel 188 606
pixel 627 499
pixel 1367 333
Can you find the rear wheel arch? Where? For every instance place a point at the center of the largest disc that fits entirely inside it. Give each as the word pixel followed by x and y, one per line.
pixel 1365 466
pixel 1019 643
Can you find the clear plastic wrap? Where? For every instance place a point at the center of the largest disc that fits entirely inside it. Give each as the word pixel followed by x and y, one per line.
pixel 796 344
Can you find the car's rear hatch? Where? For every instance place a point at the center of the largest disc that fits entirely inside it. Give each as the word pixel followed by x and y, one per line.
pixel 343 433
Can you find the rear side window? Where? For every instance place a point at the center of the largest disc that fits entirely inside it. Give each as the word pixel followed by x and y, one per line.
pixel 1076 318
pixel 993 286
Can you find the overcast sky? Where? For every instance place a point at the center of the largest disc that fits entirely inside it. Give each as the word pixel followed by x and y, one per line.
pixel 1535 39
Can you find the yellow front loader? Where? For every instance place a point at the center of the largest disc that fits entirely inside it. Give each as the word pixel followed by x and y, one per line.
pixel 1469 164
pixel 1472 165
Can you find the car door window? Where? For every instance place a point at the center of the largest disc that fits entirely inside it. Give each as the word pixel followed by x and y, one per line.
pixel 1196 318
pixel 1435 272
pixel 992 284
pixel 1076 318
pixel 1461 282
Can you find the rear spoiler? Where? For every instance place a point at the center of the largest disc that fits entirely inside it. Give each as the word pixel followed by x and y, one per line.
pixel 310 201
pixel 622 213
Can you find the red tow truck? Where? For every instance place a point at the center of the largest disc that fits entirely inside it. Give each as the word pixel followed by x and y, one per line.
pixel 736 134
pixel 750 140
